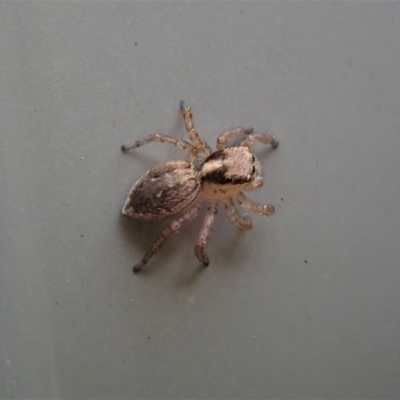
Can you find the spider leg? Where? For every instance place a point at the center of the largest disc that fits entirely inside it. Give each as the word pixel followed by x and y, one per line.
pixel 167 232
pixel 253 206
pixel 159 137
pixel 241 222
pixel 205 234
pixel 261 137
pixel 222 140
pixel 199 143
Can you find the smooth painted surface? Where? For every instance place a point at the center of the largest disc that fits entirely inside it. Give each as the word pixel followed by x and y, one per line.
pixel 306 305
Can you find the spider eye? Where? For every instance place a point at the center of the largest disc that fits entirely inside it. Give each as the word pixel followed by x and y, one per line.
pixel 254 170
pixel 254 159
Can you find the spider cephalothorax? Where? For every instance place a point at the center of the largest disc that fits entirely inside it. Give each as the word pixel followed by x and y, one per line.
pixel 174 186
pixel 229 171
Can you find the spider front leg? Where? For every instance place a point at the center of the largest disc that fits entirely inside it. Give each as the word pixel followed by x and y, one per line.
pixel 261 137
pixel 199 143
pixel 159 137
pixel 253 206
pixel 243 223
pixel 222 140
pixel 205 234
pixel 173 227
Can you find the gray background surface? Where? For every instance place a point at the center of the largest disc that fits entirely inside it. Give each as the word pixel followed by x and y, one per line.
pixel 305 305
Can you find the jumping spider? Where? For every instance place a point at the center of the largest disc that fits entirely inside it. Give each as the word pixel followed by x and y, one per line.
pixel 220 177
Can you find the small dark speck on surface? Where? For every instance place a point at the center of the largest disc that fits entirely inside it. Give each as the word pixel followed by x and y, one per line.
pixel 281 198
pixel 305 262
pixel 149 337
pixel 82 235
pixel 135 43
pixel 56 303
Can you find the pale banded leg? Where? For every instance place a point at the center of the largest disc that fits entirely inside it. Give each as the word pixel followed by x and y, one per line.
pixel 244 223
pixel 222 140
pixel 261 137
pixel 199 143
pixel 199 248
pixel 159 137
pixel 173 227
pixel 253 206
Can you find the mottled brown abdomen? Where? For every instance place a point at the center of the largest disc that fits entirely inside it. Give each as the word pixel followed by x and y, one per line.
pixel 164 190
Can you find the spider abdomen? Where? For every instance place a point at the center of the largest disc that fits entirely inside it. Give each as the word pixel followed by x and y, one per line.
pixel 164 190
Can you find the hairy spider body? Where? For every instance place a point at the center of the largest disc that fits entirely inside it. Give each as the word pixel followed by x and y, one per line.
pixel 183 187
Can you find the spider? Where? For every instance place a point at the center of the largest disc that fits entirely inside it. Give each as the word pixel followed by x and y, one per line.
pixel 205 177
